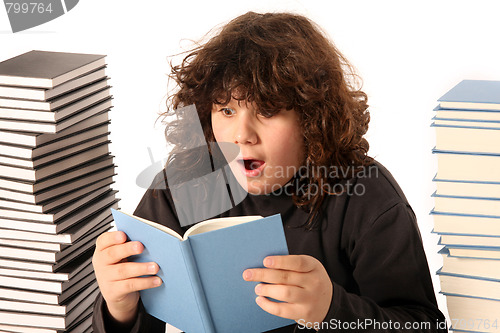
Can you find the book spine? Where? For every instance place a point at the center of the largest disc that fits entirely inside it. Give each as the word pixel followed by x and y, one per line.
pixel 197 286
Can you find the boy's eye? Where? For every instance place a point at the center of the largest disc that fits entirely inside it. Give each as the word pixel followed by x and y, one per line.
pixel 227 111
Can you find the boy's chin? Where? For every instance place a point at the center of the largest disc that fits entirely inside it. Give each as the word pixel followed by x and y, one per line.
pixel 256 187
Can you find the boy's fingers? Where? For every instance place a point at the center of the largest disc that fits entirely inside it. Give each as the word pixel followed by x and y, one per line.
pixel 275 276
pixel 108 239
pixel 297 263
pixel 127 270
pixel 136 284
pixel 115 254
pixel 284 293
pixel 284 310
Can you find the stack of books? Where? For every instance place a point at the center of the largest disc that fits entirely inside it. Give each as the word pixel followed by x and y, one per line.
pixel 56 174
pixel 467 203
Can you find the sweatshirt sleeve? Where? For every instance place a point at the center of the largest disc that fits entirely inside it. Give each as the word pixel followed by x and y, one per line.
pixel 395 287
pixel 102 323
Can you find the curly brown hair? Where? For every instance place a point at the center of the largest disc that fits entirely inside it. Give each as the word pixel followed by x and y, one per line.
pixel 282 61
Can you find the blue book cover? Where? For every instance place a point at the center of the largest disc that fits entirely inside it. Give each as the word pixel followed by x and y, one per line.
pixel 203 289
pixel 474 111
pixel 473 94
pixel 439 151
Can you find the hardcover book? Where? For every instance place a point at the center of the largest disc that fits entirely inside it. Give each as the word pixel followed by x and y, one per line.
pixel 46 69
pixel 473 94
pixel 464 166
pixel 41 94
pixel 470 139
pixel 37 139
pixel 467 115
pixel 466 224
pixel 203 289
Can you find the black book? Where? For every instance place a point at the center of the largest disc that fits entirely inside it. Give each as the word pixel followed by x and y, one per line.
pixel 46 69
pixel 88 179
pixel 51 127
pixel 29 139
pixel 13 108
pixel 69 236
pixel 72 174
pixel 40 94
pixel 52 169
pixel 26 152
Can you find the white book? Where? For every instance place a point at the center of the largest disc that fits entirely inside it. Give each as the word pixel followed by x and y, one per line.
pixel 467 115
pixel 469 286
pixel 41 94
pixel 474 252
pixel 10 106
pixel 467 205
pixel 467 167
pixel 468 139
pixel 480 268
pixel 470 123
pixel 472 94
pixel 468 188
pixel 473 314
pixel 470 240
pixel 72 174
pixel 33 140
pixel 47 127
pixel 446 223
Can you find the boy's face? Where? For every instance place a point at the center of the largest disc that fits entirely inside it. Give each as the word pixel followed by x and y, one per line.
pixel 271 149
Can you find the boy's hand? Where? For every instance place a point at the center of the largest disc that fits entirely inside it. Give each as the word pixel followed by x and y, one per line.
pixel 119 280
pixel 299 280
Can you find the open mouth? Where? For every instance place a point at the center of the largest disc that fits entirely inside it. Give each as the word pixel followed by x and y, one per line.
pixel 252 164
pixel 252 167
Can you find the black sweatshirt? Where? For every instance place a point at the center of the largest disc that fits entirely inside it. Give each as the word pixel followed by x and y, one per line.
pixel 368 242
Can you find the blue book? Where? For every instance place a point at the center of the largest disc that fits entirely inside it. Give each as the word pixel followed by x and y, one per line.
pixel 203 289
pixel 472 94
pixel 474 117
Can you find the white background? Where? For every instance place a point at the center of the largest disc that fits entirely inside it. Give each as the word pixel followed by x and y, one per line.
pixel 408 53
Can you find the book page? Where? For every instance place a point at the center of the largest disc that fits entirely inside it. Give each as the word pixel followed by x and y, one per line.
pixel 157 226
pixel 215 224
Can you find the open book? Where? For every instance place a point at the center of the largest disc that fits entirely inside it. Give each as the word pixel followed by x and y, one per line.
pixel 203 289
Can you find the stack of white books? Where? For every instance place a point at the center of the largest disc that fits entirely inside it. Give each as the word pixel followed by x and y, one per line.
pixel 467 203
pixel 56 176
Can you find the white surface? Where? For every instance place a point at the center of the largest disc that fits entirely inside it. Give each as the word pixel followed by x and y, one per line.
pixel 408 54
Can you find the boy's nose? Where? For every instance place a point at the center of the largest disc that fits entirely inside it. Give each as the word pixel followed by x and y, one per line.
pixel 245 132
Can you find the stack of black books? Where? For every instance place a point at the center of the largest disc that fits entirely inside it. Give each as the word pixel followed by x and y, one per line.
pixel 56 174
